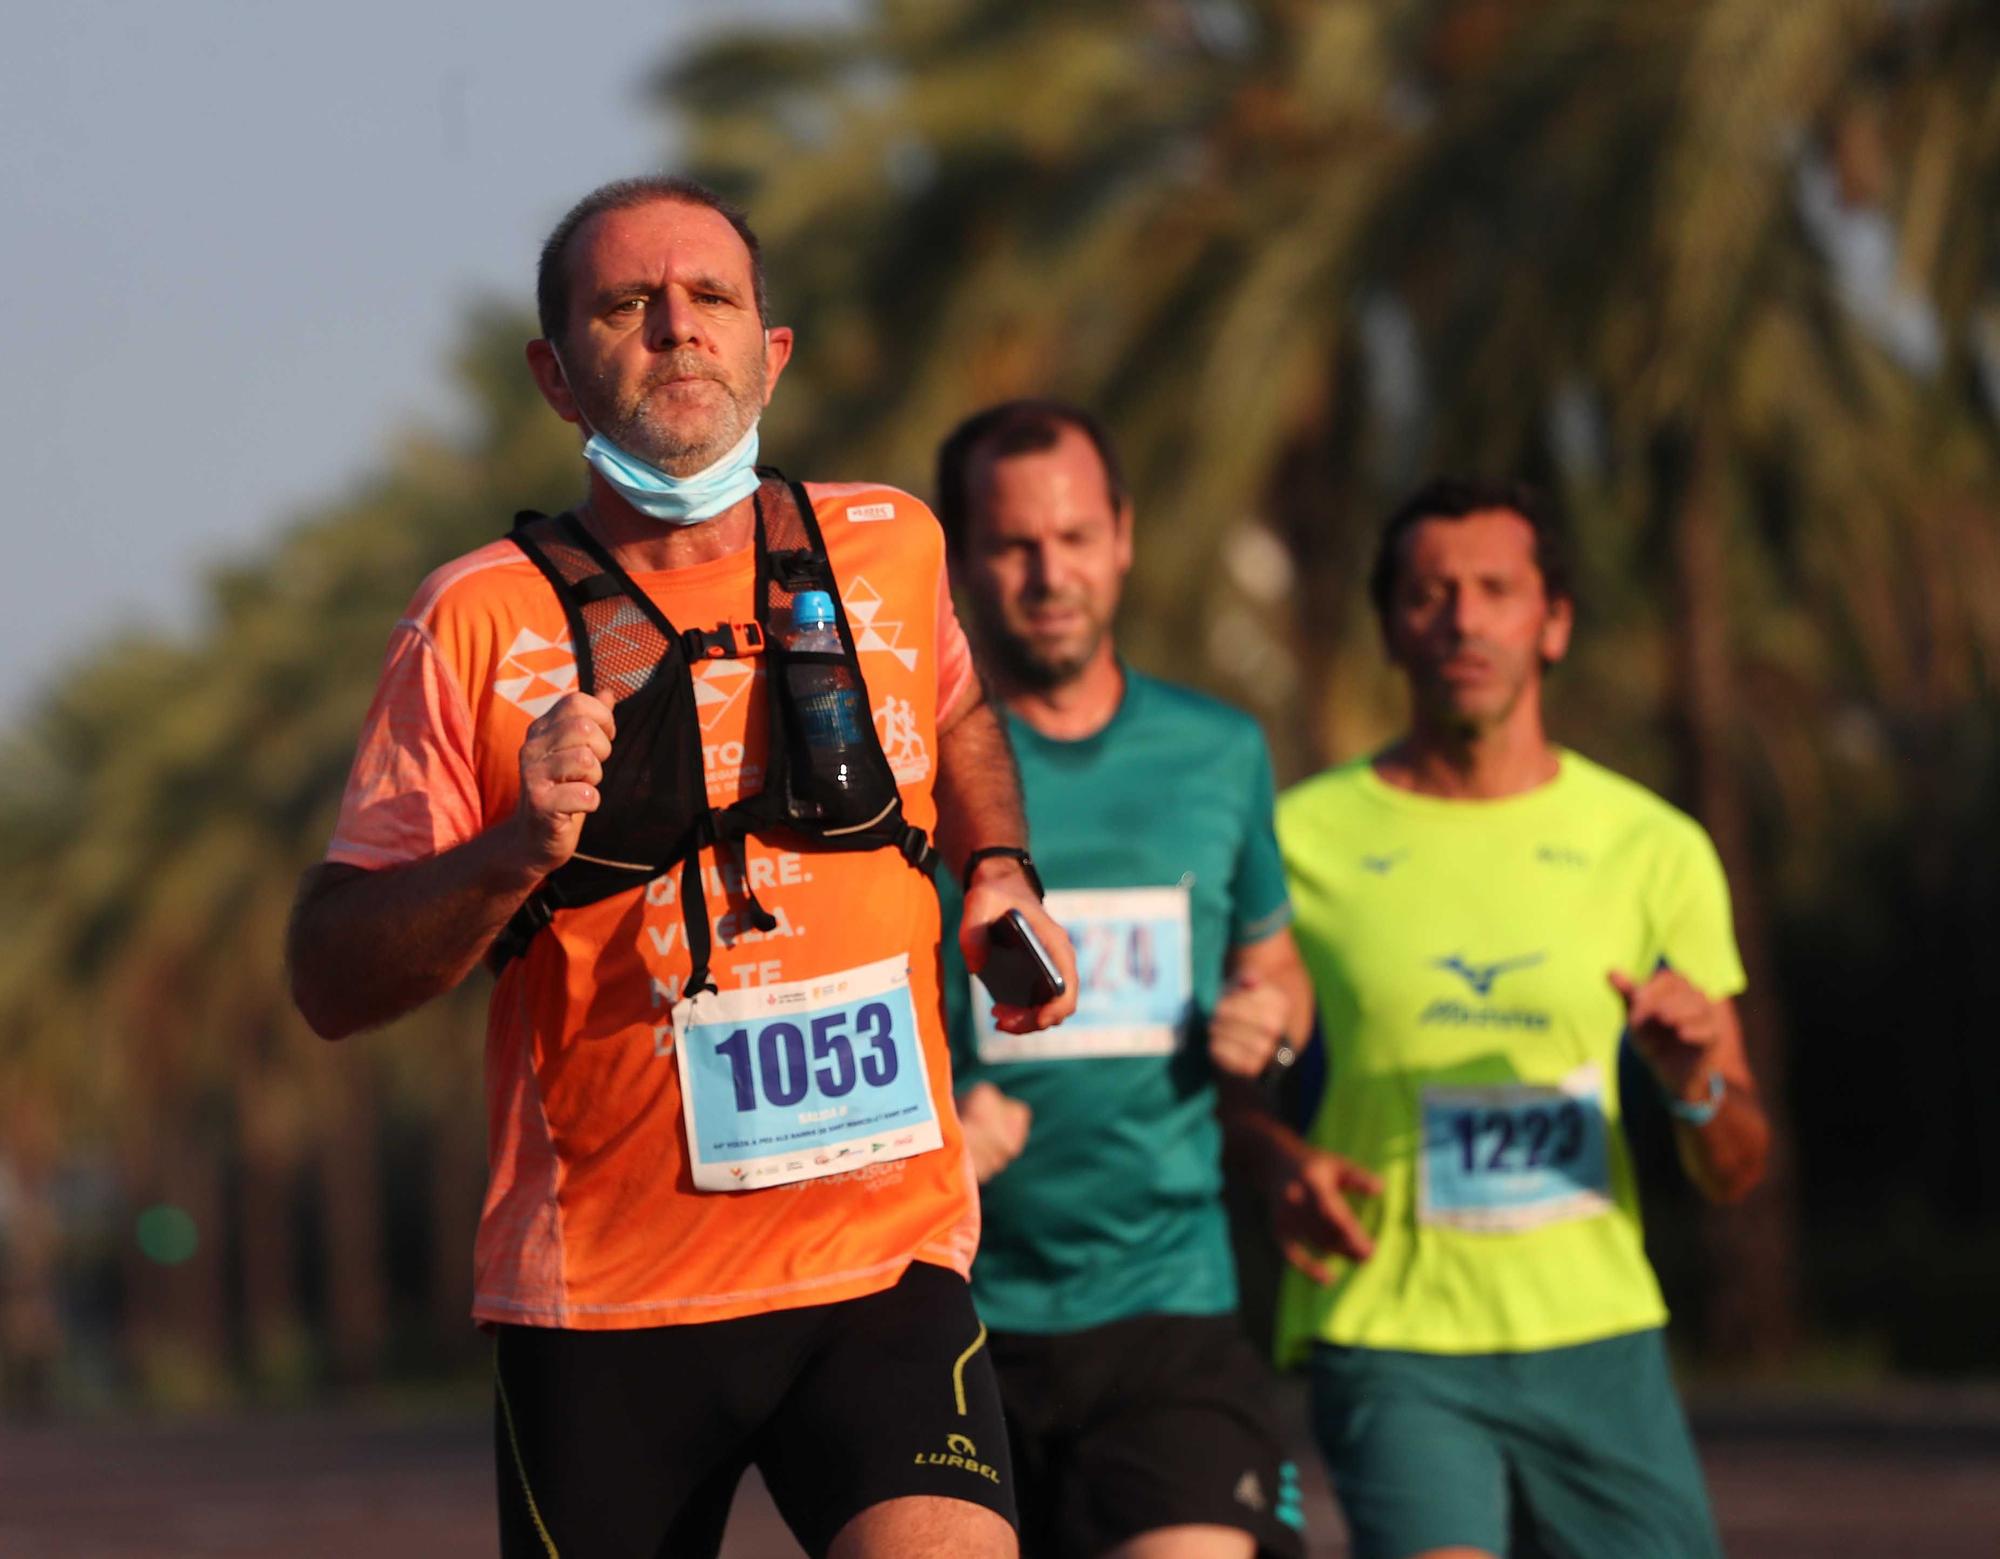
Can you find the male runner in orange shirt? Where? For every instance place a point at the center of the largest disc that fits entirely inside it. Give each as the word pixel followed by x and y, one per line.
pixel 656 1337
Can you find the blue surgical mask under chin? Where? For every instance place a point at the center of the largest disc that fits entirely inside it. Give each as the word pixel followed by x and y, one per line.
pixel 677 500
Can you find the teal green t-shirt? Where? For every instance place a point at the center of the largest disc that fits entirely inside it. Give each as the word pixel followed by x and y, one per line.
pixel 1154 839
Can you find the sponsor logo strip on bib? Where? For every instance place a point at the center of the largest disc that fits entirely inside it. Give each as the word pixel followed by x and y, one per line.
pixel 1135 979
pixel 781 1083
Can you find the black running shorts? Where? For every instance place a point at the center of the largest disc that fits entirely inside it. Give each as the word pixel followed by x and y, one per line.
pixel 1157 1421
pixel 630 1444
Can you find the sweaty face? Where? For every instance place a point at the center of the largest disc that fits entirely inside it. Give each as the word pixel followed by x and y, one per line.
pixel 664 353
pixel 1046 558
pixel 1469 621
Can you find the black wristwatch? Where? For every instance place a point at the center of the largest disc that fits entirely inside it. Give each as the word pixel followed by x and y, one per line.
pixel 1013 851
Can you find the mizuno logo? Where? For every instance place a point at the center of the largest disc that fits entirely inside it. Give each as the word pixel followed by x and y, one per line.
pixel 1481 976
pixel 1382 865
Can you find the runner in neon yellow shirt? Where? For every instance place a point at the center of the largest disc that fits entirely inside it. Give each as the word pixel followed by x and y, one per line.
pixel 1484 916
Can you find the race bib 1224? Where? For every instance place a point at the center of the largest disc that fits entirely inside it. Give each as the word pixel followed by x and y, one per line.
pixel 1135 973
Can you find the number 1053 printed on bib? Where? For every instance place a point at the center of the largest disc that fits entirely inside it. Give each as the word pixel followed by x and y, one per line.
pixel 781 1083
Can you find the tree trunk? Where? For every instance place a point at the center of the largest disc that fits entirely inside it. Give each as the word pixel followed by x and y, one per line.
pixel 177 1286
pixel 273 1319
pixel 458 1181
pixel 350 1179
pixel 1320 511
pixel 1752 1312
pixel 31 1329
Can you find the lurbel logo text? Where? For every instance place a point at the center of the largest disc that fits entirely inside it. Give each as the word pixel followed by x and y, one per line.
pixel 1480 979
pixel 960 1452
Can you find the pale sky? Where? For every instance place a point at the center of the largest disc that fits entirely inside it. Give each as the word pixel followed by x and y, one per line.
pixel 239 243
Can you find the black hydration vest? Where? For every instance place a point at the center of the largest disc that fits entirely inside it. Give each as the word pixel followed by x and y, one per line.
pixel 653 811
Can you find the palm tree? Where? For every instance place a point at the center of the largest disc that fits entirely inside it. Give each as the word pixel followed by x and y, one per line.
pixel 1299 253
pixel 154 816
pixel 1722 273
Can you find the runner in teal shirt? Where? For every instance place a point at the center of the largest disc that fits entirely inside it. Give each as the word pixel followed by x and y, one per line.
pixel 1153 827
pixel 1135 1406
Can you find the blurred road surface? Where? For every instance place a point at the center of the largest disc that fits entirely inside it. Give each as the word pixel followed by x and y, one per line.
pixel 1910 1474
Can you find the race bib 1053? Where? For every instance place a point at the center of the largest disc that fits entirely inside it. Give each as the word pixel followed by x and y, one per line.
pixel 814 1077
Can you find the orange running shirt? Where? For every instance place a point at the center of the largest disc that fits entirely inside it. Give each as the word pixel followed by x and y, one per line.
pixel 591 1220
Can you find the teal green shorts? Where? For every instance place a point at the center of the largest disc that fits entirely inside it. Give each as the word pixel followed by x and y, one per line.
pixel 1574 1453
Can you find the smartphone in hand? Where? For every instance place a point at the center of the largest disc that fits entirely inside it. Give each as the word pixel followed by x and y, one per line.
pixel 1019 971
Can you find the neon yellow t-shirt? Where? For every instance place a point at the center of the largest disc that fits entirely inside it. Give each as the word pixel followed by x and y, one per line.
pixel 1460 952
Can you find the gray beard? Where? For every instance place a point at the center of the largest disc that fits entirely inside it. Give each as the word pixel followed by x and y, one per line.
pixel 637 433
pixel 674 455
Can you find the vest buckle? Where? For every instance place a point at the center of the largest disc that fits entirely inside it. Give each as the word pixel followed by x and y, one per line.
pixel 725 641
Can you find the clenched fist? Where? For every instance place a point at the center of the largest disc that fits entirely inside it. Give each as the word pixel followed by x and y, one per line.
pixel 1675 1028
pixel 1247 1027
pixel 562 760
pixel 996 1128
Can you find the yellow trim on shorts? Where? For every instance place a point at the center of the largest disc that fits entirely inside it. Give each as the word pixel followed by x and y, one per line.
pixel 521 1467
pixel 958 1369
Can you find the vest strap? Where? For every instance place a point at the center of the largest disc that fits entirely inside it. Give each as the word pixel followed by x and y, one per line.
pixel 536 911
pixel 694 913
pixel 916 848
pixel 791 556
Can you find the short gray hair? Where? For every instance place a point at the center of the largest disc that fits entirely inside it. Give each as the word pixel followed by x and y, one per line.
pixel 552 274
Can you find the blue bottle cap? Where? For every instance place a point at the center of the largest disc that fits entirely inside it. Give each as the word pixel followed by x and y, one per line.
pixel 811 609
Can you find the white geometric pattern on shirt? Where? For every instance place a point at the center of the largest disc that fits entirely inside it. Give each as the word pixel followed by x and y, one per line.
pixel 535 672
pixel 871 630
pixel 717 685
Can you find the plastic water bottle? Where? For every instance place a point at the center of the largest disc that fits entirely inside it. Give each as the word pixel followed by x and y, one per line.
pixel 832 715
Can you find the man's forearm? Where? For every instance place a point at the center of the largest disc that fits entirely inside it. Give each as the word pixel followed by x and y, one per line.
pixel 1725 1158
pixel 978 787
pixel 365 947
pixel 1254 1140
